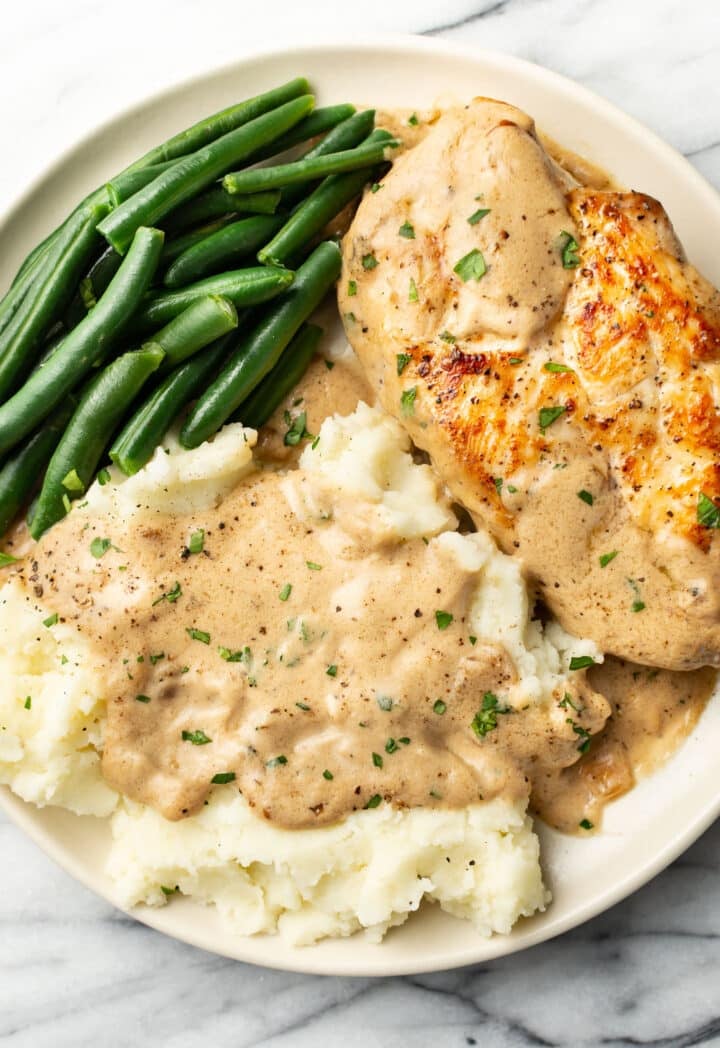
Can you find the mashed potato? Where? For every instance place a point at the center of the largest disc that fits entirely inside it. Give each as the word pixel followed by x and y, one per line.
pixel 368 872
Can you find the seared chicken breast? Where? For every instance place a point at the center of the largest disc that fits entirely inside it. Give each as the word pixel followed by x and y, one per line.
pixel 553 351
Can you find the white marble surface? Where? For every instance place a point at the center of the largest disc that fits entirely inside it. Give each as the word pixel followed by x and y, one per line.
pixel 73 971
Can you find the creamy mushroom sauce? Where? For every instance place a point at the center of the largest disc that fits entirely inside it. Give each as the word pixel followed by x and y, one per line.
pixel 653 712
pixel 303 661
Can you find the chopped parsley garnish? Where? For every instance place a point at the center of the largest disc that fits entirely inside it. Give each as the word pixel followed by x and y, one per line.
pixel 605 558
pixel 516 360
pixel 638 605
pixel 585 496
pixel 312 566
pixel 567 701
pixel 498 482
pixel 443 619
pixel 168 891
pixel 391 746
pixel 64 660
pixel 103 477
pixel 471 266
pixel 285 591
pixel 384 702
pixel 51 620
pixel 296 428
pixel 581 662
pixel 28 703
pixel 407 230
pixel 512 489
pixel 142 698
pixel 6 558
pixel 446 336
pixel 708 512
pixel 570 257
pixel 352 288
pixel 477 215
pixel 485 720
pixel 439 707
pixel 369 261
pixel 172 595
pixel 234 656
pixel 275 761
pixel 72 482
pixel 350 317
pixel 374 801
pixel 407 401
pixel 547 416
pixel 403 359
pixel 223 777
pixel 412 291
pixel 197 541
pixel 99 547
pixel 154 659
pixel 473 640
pixel 331 671
pixel 375 186
pixel 413 120
pixel 328 775
pixel 404 740
pixel 557 369
pixel 303 706
pixel 197 738
pixel 583 733
pixel 377 760
pixel 585 824
pixel 195 634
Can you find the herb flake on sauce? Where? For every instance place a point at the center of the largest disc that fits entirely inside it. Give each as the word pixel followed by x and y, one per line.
pixel 547 416
pixel 197 738
pixel 477 215
pixel 471 266
pixel 708 512
pixel 407 230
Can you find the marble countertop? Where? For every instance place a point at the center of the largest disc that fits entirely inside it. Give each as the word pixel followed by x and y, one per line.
pixel 73 971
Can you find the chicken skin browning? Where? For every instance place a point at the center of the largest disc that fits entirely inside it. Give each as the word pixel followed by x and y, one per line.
pixel 552 350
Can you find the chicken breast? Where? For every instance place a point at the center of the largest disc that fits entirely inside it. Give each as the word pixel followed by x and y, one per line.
pixel 552 350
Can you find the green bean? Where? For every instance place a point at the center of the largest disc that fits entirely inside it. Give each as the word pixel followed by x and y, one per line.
pixel 121 187
pixel 256 178
pixel 224 247
pixel 13 299
pixel 213 127
pixel 21 471
pixel 216 203
pixel 244 287
pixel 175 247
pixel 204 321
pixel 257 354
pixel 99 197
pixel 58 275
pixel 292 365
pixel 86 345
pixel 89 432
pixel 347 135
pixel 314 213
pixel 320 120
pixel 197 171
pixel 188 141
pixel 147 427
pixel 91 287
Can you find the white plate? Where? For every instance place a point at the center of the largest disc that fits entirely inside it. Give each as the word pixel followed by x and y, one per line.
pixel 648 828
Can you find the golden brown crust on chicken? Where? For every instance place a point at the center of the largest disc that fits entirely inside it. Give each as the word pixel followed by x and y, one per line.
pixel 571 408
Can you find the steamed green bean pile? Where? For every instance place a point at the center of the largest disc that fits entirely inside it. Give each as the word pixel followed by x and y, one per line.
pixel 182 288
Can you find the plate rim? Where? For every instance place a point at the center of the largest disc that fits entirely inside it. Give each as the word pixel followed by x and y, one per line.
pixel 21 813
